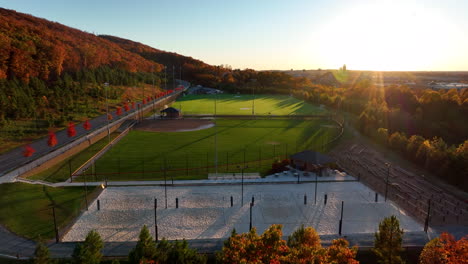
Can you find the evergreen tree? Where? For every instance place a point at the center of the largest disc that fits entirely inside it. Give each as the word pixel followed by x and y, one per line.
pixel 388 241
pixel 145 248
pixel 89 252
pixel 41 254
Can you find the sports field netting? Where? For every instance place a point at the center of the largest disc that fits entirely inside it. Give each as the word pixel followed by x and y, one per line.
pixel 144 155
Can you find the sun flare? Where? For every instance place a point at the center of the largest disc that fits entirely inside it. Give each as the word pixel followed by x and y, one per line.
pixel 385 36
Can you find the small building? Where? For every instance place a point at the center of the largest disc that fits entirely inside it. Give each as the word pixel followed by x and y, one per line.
pixel 171 112
pixel 309 160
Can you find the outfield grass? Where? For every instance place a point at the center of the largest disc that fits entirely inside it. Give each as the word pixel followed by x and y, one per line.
pixel 25 209
pixel 231 104
pixel 141 155
pixel 61 171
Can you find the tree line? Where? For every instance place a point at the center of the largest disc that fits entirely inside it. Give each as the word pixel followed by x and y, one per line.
pixel 302 246
pixel 426 126
pixel 68 97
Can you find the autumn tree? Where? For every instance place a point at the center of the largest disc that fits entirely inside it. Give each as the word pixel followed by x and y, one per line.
pixel 252 248
pixel 340 253
pixel 388 241
pixel 305 247
pixel 445 250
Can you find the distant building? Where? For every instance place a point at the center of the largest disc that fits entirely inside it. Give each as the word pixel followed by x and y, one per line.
pixel 309 160
pixel 171 112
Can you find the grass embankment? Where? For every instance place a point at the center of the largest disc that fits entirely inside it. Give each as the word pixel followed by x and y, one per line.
pixel 230 104
pixel 142 155
pixel 61 171
pixel 25 209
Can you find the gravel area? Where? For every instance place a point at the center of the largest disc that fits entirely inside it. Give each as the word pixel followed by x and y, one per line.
pixel 205 211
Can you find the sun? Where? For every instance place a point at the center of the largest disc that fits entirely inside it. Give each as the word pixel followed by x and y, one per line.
pixel 385 36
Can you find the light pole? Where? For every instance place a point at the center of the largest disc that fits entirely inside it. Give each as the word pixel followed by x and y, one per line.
pixel 165 78
pixel 154 92
pixel 216 138
pixel 386 182
pixel 253 100
pixel 242 168
pixel 106 85
pixel 173 76
pixel 165 180
pixel 156 219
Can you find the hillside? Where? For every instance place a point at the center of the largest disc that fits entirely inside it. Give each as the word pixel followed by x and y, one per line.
pixel 35 47
pixel 193 70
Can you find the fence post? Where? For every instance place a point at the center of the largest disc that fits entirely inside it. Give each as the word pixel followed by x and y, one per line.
pixel 260 158
pixel 55 225
pixel 325 199
pixel 98 205
pixel 176 202
pixel 70 169
pixel 186 164
pixel 376 197
pixel 305 199
pixel 341 219
pixel 232 202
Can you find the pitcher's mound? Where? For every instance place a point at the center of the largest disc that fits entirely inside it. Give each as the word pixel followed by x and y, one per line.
pixel 174 125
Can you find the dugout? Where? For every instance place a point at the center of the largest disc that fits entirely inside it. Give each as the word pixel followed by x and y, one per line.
pixel 171 112
pixel 313 161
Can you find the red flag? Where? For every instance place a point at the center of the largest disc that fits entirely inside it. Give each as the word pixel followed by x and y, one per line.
pixel 52 139
pixel 28 151
pixel 71 131
pixel 144 101
pixel 87 125
pixel 119 110
pixel 127 108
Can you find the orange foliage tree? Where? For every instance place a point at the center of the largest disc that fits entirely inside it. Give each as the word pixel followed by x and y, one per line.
pixel 303 246
pixel 445 250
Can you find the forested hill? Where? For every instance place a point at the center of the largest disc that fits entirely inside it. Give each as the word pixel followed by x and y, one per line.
pixel 159 56
pixel 193 70
pixel 35 47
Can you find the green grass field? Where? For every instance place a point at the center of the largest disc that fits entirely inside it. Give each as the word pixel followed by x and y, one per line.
pixel 25 208
pixel 231 104
pixel 143 155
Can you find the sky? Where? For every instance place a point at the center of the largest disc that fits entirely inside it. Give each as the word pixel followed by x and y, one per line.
pixel 280 35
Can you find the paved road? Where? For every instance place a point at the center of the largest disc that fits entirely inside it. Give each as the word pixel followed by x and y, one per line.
pixel 14 158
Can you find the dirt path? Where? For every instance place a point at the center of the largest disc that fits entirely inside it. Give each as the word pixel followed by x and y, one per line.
pixel 174 125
